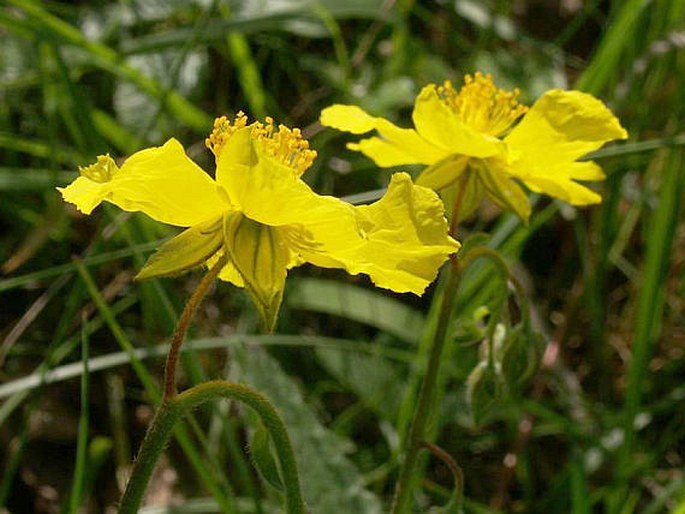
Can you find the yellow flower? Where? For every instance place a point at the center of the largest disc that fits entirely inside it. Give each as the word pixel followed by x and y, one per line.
pixel 467 141
pixel 264 218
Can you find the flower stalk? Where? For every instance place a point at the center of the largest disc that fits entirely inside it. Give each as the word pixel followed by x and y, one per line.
pixel 171 411
pixel 182 327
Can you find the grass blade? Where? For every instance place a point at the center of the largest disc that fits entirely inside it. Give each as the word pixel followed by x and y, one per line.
pixel 82 441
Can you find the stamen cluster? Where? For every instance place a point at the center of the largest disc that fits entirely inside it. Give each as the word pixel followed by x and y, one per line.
pixel 283 144
pixel 481 105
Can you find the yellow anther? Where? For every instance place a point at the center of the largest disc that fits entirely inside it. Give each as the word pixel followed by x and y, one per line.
pixel 285 145
pixel 223 130
pixel 481 105
pixel 101 171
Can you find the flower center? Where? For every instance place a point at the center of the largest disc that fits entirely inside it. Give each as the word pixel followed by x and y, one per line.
pixel 481 105
pixel 101 171
pixel 285 145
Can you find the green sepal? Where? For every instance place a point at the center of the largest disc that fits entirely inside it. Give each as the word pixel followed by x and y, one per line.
pixel 261 258
pixel 467 191
pixel 188 250
pixel 443 173
pixel 504 192
pixel 263 458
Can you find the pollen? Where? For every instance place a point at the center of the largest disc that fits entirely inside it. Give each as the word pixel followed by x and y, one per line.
pixel 482 105
pixel 284 145
pixel 223 130
pixel 101 171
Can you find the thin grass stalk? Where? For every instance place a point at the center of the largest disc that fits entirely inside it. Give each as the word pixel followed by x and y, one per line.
pixel 417 432
pixel 82 440
pixel 650 308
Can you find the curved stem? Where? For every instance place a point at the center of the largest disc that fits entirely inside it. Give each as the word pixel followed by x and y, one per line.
pixel 417 431
pixel 182 328
pixel 455 469
pixel 171 411
pixel 498 260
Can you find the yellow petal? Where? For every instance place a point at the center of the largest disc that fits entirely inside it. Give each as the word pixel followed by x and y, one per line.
pixel 348 118
pixel 328 235
pixel 566 190
pixel 395 146
pixel 261 258
pixel 407 239
pixel 85 194
pixel 561 127
pixel 587 170
pixel 437 123
pixel 166 185
pixel 189 249
pixel 265 190
pixel 234 166
pixel 161 182
pixel 228 273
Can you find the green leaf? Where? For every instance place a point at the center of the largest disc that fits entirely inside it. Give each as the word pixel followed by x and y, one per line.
pixel 483 391
pixel 330 481
pixel 263 457
pixel 520 356
pixel 378 382
pixel 358 304
pixel 189 249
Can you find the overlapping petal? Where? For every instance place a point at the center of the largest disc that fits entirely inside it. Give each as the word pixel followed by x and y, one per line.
pixel 437 123
pixel 266 190
pixel 561 127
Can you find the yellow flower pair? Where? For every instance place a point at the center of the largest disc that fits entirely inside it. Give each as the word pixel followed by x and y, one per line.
pixel 467 141
pixel 260 214
pixel 263 219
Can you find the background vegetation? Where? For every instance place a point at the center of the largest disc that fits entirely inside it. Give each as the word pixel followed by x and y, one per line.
pixel 601 426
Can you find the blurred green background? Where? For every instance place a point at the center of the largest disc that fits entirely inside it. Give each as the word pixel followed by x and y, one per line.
pixel 601 427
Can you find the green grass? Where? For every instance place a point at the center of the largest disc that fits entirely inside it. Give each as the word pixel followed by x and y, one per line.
pixel 605 284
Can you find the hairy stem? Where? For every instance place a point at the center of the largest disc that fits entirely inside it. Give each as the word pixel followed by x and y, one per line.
pixel 182 328
pixel 175 408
